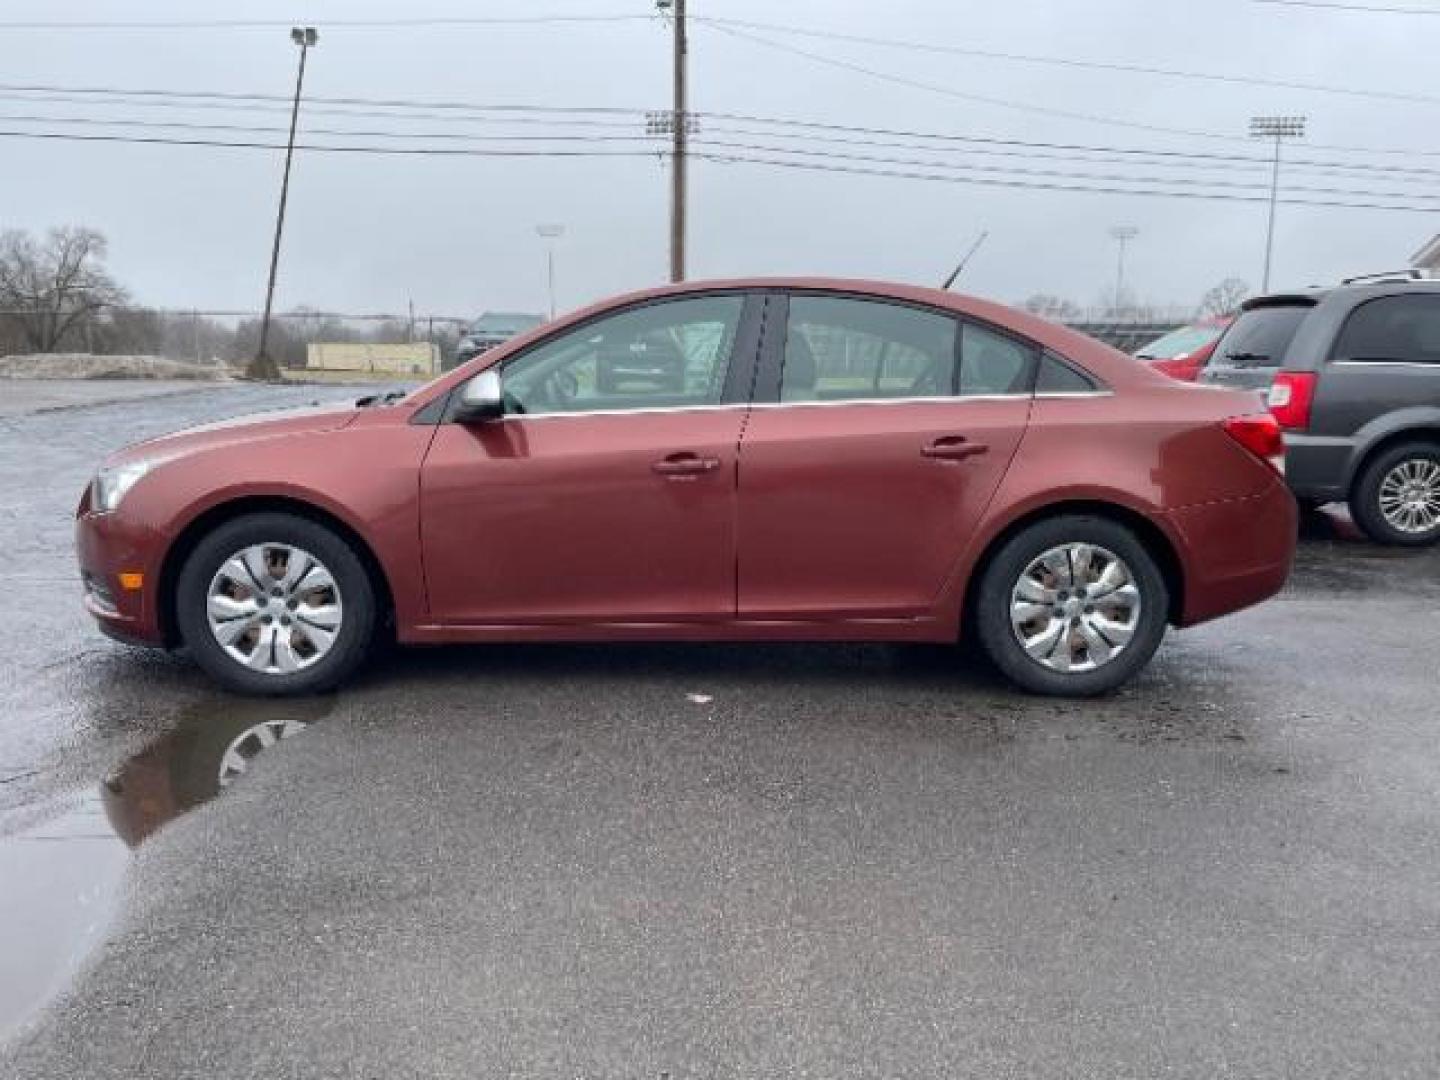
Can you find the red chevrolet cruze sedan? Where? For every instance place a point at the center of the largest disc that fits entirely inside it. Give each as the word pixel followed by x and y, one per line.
pixel 773 460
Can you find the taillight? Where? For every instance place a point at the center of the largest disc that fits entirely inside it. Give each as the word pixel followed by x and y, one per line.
pixel 1260 434
pixel 1290 398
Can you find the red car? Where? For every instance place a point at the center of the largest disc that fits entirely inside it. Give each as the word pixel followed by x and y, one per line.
pixel 1182 354
pixel 770 460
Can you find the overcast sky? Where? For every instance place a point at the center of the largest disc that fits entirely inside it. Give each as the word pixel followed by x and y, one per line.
pixel 191 227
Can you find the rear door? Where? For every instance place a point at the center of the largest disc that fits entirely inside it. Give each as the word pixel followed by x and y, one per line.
pixel 1253 347
pixel 880 432
pixel 1386 359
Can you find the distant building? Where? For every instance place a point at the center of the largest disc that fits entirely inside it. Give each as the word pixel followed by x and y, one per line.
pixel 1428 257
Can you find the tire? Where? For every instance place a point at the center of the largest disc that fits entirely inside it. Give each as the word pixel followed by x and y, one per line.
pixel 299 640
pixel 1140 607
pixel 1370 495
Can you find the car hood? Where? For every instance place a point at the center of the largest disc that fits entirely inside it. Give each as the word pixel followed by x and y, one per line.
pixel 241 429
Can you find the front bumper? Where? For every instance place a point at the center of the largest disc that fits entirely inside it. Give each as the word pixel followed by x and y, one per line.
pixel 107 546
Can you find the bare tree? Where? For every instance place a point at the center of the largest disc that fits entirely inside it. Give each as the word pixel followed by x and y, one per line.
pixel 1224 298
pixel 52 288
pixel 1055 308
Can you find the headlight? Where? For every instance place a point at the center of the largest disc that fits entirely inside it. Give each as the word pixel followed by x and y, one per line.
pixel 111 484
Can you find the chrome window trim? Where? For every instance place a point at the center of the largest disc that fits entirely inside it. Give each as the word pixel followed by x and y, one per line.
pixel 1426 364
pixel 727 406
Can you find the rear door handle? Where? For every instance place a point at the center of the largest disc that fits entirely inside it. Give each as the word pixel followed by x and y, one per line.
pixel 685 464
pixel 953 448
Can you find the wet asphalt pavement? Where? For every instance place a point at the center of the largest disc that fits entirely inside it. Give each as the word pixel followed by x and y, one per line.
pixel 697 861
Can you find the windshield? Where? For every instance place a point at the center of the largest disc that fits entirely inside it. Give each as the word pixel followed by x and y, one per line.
pixel 1180 342
pixel 1259 337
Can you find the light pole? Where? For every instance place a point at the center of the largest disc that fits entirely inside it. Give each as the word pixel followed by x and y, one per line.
pixel 263 367
pixel 1123 234
pixel 550 233
pixel 1278 128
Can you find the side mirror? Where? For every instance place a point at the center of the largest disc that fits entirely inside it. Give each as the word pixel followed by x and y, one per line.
pixel 481 399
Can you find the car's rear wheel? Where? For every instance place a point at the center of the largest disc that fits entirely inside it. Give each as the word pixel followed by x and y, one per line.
pixel 1396 500
pixel 275 604
pixel 1071 606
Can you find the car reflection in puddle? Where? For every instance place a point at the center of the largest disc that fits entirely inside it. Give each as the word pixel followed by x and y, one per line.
pixel 62 877
pixel 198 759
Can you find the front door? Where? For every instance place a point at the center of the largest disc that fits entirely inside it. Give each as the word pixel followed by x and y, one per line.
pixel 860 485
pixel 606 493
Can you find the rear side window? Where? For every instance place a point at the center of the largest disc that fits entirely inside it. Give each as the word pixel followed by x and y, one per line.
pixel 1405 328
pixel 1259 337
pixel 993 364
pixel 840 349
pixel 1057 378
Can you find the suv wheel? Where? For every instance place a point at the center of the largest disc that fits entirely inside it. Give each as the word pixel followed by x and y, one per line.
pixel 275 604
pixel 1397 497
pixel 1072 606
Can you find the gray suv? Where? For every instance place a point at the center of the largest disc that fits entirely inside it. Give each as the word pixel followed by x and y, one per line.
pixel 1353 375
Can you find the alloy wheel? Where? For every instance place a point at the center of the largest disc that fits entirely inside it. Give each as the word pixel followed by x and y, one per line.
pixel 1075 607
pixel 274 608
pixel 1409 496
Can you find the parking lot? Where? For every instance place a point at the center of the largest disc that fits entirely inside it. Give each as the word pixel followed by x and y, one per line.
pixel 633 861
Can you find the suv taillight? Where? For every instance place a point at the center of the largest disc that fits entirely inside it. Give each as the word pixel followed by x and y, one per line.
pixel 1260 434
pixel 1290 397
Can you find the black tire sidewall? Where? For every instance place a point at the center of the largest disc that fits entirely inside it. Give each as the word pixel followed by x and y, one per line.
pixel 1365 498
pixel 992 608
pixel 356 592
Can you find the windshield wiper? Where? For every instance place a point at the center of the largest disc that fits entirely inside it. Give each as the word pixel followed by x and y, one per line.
pixel 373 401
pixel 1248 359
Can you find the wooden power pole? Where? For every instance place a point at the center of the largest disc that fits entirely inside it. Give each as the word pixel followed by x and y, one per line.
pixel 680 121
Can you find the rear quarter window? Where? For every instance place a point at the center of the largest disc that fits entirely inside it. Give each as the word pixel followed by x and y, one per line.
pixel 1403 328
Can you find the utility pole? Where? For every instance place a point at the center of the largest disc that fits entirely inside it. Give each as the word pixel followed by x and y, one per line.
pixel 680 133
pixel 1278 128
pixel 1124 234
pixel 263 366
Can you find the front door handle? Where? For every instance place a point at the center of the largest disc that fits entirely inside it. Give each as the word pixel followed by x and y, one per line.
pixel 953 448
pixel 685 465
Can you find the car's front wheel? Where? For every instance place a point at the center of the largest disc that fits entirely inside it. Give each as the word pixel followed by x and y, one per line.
pixel 1071 606
pixel 275 604
pixel 1397 497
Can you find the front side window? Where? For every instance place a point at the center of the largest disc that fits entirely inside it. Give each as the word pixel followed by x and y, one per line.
pixel 669 354
pixel 1405 328
pixel 841 349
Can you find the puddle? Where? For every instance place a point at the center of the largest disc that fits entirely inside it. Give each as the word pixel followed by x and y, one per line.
pixel 60 880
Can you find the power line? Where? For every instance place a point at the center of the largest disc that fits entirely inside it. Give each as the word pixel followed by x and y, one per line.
pixel 1374 8
pixel 157 140
pixel 333 24
pixel 1068 62
pixel 1042 186
pixel 1190 193
pixel 1230 163
pixel 258 102
pixel 1056 173
pixel 948 91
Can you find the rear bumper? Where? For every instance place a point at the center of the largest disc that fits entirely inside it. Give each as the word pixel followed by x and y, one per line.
pixel 1240 552
pixel 1318 466
pixel 105 546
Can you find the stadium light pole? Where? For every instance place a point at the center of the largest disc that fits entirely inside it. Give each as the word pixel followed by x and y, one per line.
pixel 263 366
pixel 550 233
pixel 1123 234
pixel 1278 128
